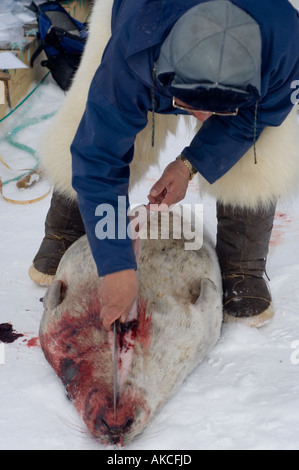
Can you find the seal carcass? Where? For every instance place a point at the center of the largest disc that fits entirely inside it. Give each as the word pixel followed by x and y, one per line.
pixel 175 322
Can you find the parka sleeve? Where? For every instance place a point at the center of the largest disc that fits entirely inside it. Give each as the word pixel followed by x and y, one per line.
pixel 102 151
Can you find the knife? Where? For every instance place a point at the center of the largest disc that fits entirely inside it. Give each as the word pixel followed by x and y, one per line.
pixel 115 366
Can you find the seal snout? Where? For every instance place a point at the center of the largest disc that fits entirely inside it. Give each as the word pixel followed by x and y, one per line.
pixel 114 431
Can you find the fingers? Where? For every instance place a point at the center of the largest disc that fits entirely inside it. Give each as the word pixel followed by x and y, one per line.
pixel 169 196
pixel 170 188
pixel 158 199
pixel 117 294
pixel 124 316
pixel 160 187
pixel 159 192
pixel 109 315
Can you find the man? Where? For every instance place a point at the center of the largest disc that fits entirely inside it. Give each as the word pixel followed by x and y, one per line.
pixel 231 64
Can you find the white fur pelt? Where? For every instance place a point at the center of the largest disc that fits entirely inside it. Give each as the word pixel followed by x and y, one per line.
pixel 246 185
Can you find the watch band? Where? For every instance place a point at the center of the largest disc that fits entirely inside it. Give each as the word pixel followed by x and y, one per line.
pixel 189 165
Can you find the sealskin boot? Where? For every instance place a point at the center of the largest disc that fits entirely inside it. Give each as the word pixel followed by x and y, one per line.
pixel 63 227
pixel 242 246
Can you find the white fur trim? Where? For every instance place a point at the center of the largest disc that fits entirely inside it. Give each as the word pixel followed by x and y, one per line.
pixel 295 3
pixel 54 146
pixel 275 176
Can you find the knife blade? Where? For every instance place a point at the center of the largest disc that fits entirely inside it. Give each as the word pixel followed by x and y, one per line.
pixel 115 366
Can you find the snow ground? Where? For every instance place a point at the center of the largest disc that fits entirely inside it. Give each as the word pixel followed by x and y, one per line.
pixel 244 396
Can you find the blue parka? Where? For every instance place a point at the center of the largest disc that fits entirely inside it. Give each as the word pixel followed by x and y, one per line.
pixel 120 97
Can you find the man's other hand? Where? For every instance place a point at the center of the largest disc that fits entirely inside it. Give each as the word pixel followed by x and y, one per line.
pixel 171 188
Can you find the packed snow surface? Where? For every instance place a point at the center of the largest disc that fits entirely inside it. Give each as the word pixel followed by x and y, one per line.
pixel 244 396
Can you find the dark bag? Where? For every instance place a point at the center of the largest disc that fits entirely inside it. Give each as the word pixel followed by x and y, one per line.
pixel 62 38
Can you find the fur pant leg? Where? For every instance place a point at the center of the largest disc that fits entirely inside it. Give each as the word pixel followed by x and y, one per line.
pixel 54 146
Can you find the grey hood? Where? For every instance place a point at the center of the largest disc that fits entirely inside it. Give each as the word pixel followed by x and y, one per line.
pixel 212 57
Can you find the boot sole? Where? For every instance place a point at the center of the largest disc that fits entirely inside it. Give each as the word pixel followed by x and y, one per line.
pixel 42 279
pixel 258 321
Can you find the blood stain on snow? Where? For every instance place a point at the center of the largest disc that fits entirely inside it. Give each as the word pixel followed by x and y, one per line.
pixel 281 222
pixel 33 342
pixel 7 333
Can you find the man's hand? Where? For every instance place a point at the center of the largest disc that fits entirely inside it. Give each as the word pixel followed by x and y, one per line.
pixel 118 293
pixel 171 188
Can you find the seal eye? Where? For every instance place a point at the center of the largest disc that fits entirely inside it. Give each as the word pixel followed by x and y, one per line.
pixel 55 295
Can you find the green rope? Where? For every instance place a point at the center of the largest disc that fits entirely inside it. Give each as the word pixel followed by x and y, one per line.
pixel 11 139
pixel 25 99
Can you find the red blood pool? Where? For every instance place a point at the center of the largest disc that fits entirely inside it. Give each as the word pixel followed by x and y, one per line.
pixel 7 333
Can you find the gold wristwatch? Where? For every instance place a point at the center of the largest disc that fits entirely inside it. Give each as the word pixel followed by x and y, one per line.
pixel 190 167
